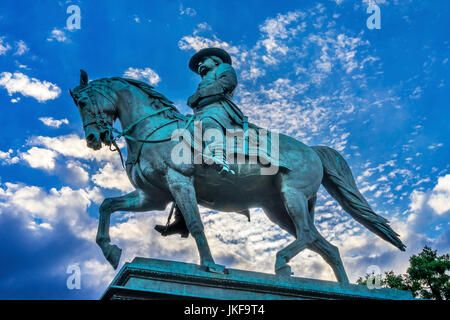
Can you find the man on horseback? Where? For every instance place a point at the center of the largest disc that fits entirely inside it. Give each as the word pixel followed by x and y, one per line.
pixel 213 109
pixel 212 102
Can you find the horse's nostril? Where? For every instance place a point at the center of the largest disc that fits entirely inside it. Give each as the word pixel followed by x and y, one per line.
pixel 91 137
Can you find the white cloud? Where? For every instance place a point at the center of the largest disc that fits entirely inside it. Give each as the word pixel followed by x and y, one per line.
pixel 435 146
pixel 417 93
pixel 187 11
pixel 40 158
pixel 252 73
pixel 440 195
pixel 6 158
pixel 427 207
pixel 418 199
pixel 97 274
pixel 112 178
pixel 22 48
pixel 58 35
pixel 76 173
pixel 49 121
pixel 203 26
pixel 29 87
pixel 278 27
pixel 72 145
pixel 4 46
pixel 143 74
pixel 198 42
pixel 64 206
pixel 276 34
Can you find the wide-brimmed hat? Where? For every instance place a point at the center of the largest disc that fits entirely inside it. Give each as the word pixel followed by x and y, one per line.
pixel 196 58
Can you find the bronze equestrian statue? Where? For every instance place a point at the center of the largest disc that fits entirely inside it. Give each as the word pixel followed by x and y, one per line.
pixel 287 197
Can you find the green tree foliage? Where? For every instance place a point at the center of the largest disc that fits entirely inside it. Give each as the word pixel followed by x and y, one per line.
pixel 427 276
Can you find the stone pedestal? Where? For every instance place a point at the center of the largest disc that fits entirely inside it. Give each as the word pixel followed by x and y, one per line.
pixel 159 279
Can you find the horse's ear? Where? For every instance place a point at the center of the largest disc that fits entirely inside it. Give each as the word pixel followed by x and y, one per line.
pixel 83 78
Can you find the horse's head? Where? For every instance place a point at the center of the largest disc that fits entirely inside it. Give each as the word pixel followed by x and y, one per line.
pixel 96 104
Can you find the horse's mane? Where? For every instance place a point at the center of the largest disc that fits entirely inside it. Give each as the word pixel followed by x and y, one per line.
pixel 148 89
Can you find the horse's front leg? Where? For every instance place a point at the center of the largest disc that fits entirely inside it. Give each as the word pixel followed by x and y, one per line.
pixel 133 201
pixel 182 189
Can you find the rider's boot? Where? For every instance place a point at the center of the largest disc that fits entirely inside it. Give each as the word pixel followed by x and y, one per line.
pixel 176 227
pixel 216 153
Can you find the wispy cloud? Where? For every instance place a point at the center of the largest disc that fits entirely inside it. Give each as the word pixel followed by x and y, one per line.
pixel 4 46
pixel 143 74
pixel 187 11
pixel 6 158
pixel 54 123
pixel 22 48
pixel 58 35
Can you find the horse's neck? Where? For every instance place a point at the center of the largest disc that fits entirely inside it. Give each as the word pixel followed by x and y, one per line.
pixel 134 108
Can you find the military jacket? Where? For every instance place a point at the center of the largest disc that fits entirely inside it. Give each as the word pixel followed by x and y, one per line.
pixel 214 95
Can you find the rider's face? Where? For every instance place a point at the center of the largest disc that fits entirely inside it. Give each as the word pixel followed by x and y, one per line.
pixel 206 65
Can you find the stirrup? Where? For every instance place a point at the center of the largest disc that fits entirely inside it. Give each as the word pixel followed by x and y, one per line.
pixel 226 169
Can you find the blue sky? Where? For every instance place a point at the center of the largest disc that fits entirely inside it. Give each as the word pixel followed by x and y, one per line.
pixel 310 69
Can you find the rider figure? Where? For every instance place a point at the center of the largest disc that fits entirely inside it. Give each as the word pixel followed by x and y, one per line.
pixel 212 102
pixel 214 109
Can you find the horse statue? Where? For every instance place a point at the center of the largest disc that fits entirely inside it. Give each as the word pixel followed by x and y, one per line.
pixel 288 197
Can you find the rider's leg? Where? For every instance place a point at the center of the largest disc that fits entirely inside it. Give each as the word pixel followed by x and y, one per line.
pixel 214 153
pixel 214 141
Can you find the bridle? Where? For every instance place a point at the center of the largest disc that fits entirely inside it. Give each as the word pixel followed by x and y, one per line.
pixel 99 117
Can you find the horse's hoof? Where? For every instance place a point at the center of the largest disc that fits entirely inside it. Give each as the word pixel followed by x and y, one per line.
pixel 284 271
pixel 114 256
pixel 215 268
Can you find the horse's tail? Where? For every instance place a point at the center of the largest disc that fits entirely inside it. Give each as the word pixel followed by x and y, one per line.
pixel 339 182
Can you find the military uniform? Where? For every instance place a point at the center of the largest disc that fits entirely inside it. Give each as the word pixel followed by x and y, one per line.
pixel 212 102
pixel 213 98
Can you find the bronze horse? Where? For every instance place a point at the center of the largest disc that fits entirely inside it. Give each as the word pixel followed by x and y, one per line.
pixel 288 197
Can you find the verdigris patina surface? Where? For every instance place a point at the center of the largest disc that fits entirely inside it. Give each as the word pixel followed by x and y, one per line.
pixel 287 195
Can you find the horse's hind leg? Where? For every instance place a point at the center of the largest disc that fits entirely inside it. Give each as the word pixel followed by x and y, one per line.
pixel 296 205
pixel 329 252
pixel 331 255
pixel 134 201
pixel 301 212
